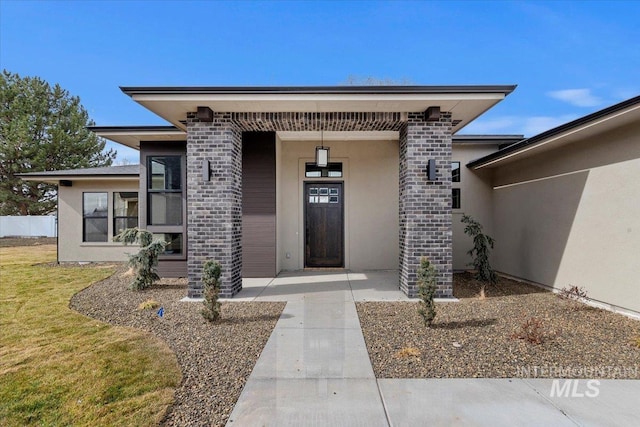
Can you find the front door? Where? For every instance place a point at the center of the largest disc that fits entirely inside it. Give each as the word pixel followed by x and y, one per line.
pixel 324 226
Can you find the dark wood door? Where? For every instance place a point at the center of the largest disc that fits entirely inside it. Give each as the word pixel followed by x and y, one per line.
pixel 324 224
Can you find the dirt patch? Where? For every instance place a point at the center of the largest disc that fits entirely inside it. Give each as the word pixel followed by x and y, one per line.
pixel 480 338
pixel 216 359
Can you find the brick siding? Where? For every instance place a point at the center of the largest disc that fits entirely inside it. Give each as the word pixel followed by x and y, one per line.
pixel 214 207
pixel 425 206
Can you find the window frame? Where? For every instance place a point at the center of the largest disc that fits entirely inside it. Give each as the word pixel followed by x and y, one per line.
pixel 459 174
pixel 453 198
pixel 105 218
pixel 114 232
pixel 150 191
pixel 324 171
pixel 150 149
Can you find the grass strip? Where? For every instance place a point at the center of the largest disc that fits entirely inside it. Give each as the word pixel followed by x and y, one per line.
pixel 58 367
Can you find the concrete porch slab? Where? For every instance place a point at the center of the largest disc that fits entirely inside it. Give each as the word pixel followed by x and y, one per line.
pixel 307 287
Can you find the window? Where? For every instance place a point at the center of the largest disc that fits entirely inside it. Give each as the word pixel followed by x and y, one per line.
pixel 174 242
pixel 164 186
pixel 332 170
pixel 125 211
pixel 455 171
pixel 165 215
pixel 455 192
pixel 95 221
pixel 455 201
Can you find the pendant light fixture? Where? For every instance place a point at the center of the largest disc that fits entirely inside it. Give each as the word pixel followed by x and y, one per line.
pixel 322 153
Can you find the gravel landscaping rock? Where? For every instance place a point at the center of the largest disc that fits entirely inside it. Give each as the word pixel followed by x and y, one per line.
pixel 477 338
pixel 216 358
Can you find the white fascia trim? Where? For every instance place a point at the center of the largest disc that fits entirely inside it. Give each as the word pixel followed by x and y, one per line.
pixel 317 97
pixel 141 133
pixel 56 179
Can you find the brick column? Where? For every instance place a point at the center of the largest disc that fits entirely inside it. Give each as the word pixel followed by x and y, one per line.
pixel 214 207
pixel 425 206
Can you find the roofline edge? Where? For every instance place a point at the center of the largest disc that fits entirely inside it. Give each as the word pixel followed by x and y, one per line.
pixel 554 132
pixel 314 90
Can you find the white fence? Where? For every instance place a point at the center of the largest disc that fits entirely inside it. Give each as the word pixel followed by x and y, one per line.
pixel 28 226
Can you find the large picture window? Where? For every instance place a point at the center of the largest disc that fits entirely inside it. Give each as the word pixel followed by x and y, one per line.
pixel 125 211
pixel 164 186
pixel 95 217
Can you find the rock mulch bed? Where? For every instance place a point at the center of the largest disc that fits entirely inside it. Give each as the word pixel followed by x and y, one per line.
pixel 216 359
pixel 476 338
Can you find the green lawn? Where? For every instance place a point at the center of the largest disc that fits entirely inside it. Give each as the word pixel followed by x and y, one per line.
pixel 58 367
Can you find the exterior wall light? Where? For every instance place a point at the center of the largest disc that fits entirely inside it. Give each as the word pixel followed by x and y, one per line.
pixel 431 170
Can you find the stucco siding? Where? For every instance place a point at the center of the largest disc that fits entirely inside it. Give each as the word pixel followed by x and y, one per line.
pixel 70 244
pixel 475 195
pixel 571 217
pixel 370 175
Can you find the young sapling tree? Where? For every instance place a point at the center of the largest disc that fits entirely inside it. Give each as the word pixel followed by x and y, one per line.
pixel 482 246
pixel 427 279
pixel 145 262
pixel 211 271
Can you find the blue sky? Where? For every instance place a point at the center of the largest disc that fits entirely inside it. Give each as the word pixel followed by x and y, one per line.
pixel 567 58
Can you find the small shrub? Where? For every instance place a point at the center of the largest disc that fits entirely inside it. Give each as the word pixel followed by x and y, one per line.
pixel 427 290
pixel 532 331
pixel 148 305
pixel 575 295
pixel 635 341
pixel 408 352
pixel 145 262
pixel 482 245
pixel 211 271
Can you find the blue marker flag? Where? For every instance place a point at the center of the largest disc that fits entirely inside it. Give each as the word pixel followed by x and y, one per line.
pixel 161 312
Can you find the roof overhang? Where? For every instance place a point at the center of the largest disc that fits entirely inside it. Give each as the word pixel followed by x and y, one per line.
pixel 55 179
pixel 131 136
pixel 464 102
pixel 500 140
pixel 106 173
pixel 593 124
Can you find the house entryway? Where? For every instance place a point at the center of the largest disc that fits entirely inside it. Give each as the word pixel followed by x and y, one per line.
pixel 324 224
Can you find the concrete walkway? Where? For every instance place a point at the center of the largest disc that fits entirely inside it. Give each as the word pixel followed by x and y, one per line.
pixel 315 371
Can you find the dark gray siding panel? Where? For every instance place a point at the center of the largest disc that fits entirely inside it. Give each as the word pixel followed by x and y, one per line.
pixel 172 268
pixel 258 204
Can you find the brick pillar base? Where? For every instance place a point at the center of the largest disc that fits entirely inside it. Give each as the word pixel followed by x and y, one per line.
pixel 425 206
pixel 214 207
